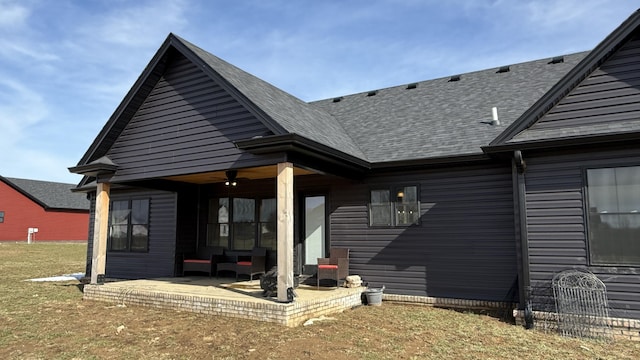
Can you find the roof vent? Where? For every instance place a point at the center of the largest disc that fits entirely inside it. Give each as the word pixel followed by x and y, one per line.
pixel 503 69
pixel 455 78
pixel 494 120
pixel 412 86
pixel 556 60
pixel 372 93
pixel 338 99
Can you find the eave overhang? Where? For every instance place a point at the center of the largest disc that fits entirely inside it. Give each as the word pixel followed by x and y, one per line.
pixel 293 143
pixel 568 82
pixel 565 142
pixel 296 144
pixel 99 167
pixel 93 170
pixel 441 161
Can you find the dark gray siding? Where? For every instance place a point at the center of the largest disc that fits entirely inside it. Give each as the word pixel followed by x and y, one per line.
pixel 186 125
pixel 187 225
pixel 609 94
pixel 160 259
pixel 92 217
pixel 463 248
pixel 557 227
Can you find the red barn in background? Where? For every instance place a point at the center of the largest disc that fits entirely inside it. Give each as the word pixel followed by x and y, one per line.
pixel 49 207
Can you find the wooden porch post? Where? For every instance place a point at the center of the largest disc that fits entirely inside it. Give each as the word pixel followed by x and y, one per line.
pixel 285 230
pixel 100 229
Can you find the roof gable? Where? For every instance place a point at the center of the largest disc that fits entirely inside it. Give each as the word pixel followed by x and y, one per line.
pixel 599 97
pixel 280 112
pixel 293 115
pixel 49 195
pixel 187 124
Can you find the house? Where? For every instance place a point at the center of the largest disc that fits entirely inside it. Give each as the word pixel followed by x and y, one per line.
pixel 577 176
pixel 49 209
pixel 469 189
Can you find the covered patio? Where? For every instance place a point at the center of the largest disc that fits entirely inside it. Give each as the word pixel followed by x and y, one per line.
pixel 226 297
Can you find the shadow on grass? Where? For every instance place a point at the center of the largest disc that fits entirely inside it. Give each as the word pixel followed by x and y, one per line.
pixel 80 286
pixel 504 314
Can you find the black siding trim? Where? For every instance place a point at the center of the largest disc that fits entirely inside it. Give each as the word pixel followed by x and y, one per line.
pixel 301 145
pixel 567 142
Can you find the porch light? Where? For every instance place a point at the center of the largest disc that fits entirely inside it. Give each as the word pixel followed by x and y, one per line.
pixel 231 178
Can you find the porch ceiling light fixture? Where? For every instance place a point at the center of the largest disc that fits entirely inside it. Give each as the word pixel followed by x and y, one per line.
pixel 231 178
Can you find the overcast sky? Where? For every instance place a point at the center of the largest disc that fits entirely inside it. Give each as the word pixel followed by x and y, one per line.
pixel 66 65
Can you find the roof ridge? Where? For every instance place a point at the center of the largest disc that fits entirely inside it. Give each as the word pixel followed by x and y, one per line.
pixel 41 181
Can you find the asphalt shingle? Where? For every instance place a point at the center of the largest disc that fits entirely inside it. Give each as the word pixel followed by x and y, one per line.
pixel 293 114
pixel 442 118
pixel 52 194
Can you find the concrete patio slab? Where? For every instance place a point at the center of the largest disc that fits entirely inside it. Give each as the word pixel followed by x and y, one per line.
pixel 226 297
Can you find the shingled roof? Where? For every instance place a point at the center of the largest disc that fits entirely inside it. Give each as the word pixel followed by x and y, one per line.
pixel 593 117
pixel 292 114
pixel 435 119
pixel 50 195
pixel 441 117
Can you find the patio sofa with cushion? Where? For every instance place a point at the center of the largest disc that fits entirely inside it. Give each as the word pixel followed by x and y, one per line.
pixel 244 262
pixel 204 260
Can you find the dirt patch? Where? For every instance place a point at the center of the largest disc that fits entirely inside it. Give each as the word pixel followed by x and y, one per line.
pixel 50 320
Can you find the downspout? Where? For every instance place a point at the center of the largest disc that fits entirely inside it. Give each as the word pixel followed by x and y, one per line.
pixel 520 166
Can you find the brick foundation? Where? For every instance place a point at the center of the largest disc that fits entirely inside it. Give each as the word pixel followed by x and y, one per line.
pixel 291 314
pixel 628 329
pixel 449 303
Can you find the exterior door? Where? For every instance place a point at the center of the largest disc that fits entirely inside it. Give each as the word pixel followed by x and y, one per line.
pixel 314 232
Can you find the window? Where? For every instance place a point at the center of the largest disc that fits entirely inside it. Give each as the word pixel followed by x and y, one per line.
pixel 268 224
pixel 218 225
pixel 242 223
pixel 129 225
pixel 407 206
pixel 614 215
pixel 1 217
pixel 396 206
pixel 380 208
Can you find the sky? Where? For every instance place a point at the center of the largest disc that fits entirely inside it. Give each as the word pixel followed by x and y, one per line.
pixel 65 65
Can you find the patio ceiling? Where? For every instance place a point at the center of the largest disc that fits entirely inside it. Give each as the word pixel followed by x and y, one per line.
pixel 263 172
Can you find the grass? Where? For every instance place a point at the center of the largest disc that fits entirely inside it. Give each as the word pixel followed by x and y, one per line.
pixel 51 321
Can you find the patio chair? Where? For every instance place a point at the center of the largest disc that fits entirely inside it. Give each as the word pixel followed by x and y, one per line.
pixel 228 265
pixel 202 261
pixel 253 266
pixel 335 267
